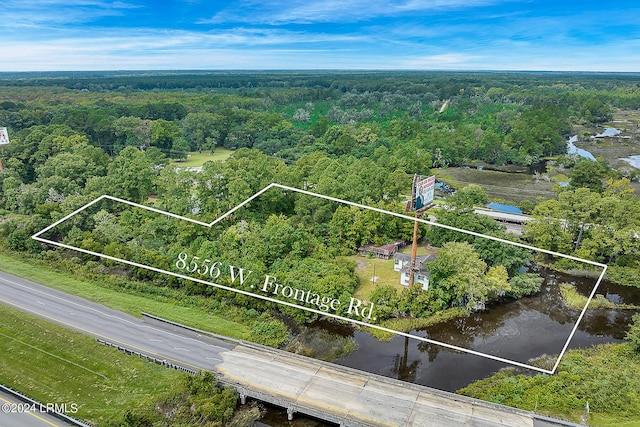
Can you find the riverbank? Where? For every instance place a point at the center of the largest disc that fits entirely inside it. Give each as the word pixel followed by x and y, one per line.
pixel 613 149
pixel 408 324
pixel 575 299
pixel 583 376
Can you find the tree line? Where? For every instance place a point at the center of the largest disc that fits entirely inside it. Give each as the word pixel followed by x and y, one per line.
pixel 361 140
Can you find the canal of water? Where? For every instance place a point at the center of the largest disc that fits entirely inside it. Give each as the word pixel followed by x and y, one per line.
pixel 515 330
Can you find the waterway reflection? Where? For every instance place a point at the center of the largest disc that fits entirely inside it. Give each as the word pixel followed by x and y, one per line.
pixel 517 330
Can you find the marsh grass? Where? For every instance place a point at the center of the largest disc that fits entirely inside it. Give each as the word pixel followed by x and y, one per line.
pixel 510 187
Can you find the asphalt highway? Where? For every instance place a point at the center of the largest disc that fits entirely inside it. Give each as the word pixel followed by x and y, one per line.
pixel 298 383
pixel 199 352
pixel 16 413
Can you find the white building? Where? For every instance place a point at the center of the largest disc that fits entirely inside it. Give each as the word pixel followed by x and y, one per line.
pixel 4 136
pixel 402 262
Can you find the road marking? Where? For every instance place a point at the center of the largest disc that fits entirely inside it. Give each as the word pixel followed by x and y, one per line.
pixel 87 307
pixel 41 303
pixel 95 334
pixel 155 340
pixel 32 414
pixel 180 348
pixel 323 313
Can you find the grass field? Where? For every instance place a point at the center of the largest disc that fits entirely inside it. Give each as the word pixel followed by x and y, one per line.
pixel 384 272
pixel 53 364
pixel 385 275
pixel 197 159
pixel 131 303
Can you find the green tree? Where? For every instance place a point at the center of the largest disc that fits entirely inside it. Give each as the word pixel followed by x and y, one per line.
pixel 580 208
pixel 587 174
pixel 75 167
pixel 524 284
pixel 460 274
pixel 179 149
pixel 175 188
pixel 595 111
pixel 200 130
pixel 539 131
pixel 468 196
pixel 386 300
pixel 130 175
pixel 492 252
pixel 132 132
pixel 163 133
pixel 633 335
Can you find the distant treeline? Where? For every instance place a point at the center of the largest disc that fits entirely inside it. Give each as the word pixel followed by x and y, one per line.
pixel 442 119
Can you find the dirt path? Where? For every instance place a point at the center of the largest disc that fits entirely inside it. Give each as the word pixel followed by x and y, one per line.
pixel 361 264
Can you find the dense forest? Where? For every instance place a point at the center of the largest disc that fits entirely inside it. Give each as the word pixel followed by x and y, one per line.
pixel 356 136
pixel 498 118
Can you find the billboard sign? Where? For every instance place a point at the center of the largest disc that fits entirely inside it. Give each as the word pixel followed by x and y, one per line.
pixel 4 136
pixel 423 191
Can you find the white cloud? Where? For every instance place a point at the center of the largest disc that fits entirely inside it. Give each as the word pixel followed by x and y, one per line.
pixel 519 42
pixel 51 13
pixel 155 49
pixel 322 11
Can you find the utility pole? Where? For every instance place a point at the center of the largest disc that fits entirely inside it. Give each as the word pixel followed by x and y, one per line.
pixel 414 250
pixel 421 200
pixel 374 274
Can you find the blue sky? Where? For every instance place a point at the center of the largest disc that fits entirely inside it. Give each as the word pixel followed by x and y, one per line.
pixel 41 35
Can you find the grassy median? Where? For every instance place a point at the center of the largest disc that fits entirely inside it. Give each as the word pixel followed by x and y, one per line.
pixel 55 365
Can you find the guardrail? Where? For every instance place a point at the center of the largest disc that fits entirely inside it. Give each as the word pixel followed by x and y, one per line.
pixel 164 362
pixel 244 391
pixel 45 408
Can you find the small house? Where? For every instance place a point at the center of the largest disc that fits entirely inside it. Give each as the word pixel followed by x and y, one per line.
pixel 382 252
pixel 402 263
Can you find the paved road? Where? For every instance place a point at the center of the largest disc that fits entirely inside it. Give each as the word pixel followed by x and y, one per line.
pixel 13 414
pixel 299 383
pixel 115 326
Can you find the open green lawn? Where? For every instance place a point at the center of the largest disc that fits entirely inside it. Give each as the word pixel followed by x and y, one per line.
pixel 197 159
pixel 385 275
pixel 384 272
pixel 53 364
pixel 131 303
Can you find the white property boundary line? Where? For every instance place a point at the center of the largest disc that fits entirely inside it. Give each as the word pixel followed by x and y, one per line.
pixel 357 322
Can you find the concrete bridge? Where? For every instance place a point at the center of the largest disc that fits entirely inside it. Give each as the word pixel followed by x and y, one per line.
pixel 337 394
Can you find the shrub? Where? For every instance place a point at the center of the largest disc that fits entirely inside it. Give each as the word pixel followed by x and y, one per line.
pixel 633 335
pixel 273 333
